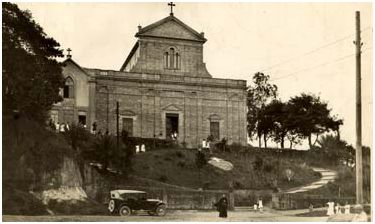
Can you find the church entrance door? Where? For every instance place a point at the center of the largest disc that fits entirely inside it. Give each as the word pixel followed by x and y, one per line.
pixel 171 126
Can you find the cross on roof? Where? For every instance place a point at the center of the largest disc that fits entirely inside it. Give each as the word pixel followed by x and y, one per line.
pixel 69 50
pixel 171 4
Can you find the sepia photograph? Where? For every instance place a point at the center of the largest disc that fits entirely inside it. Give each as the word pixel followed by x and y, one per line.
pixel 187 111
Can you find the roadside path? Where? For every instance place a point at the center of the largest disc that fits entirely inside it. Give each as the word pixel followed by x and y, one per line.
pixel 327 176
pixel 177 216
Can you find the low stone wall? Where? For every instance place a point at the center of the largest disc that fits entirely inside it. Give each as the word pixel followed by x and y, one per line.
pixel 285 201
pixel 187 199
pixel 202 200
pixel 248 197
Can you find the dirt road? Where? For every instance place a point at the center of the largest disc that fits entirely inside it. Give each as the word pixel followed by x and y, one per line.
pixel 186 216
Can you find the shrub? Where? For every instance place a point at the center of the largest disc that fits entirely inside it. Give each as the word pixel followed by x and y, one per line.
pixel 146 167
pixel 179 154
pixel 167 158
pixel 163 178
pixel 235 147
pixel 258 163
pixel 200 159
pixel 268 168
pixel 181 164
pixel 16 202
pixel 206 185
pixel 238 185
pixel 77 135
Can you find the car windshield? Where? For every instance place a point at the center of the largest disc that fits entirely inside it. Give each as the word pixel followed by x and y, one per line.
pixel 138 196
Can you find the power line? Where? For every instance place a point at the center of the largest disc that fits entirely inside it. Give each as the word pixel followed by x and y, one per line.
pixel 309 52
pixel 318 66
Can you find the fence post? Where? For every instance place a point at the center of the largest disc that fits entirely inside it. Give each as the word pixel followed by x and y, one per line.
pixel 165 197
pixel 231 200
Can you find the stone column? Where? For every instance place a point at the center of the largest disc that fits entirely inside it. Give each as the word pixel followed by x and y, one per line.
pixel 200 119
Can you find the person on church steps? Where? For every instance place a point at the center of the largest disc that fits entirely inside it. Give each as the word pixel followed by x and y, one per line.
pixel 67 127
pixel 94 128
pixel 62 127
pixel 51 125
pixel 222 207
pixel 57 127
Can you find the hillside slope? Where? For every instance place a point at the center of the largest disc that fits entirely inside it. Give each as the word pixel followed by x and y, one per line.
pixel 36 162
pixel 177 166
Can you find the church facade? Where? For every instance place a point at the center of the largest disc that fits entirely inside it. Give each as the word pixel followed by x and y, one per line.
pixel 163 89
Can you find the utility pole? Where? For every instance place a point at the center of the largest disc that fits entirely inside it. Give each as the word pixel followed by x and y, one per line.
pixel 117 124
pixel 358 154
pixel 107 131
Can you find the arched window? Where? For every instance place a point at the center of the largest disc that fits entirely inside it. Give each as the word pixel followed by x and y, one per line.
pixel 166 59
pixel 69 88
pixel 171 52
pixel 172 59
pixel 177 61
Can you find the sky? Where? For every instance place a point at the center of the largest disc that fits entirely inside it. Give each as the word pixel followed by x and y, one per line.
pixel 303 47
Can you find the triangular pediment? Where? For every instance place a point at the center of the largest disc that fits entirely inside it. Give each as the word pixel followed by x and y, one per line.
pixel 171 27
pixel 171 107
pixel 70 63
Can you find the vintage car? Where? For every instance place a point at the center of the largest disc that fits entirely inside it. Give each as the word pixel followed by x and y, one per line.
pixel 125 202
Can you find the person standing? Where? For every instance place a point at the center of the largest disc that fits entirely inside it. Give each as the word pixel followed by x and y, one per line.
pixel 57 127
pixel 222 207
pixel 204 144
pixel 347 208
pixel 331 206
pixel 67 127
pixel 360 215
pixel 51 125
pixel 62 127
pixel 94 128
pixel 260 204
pixel 338 209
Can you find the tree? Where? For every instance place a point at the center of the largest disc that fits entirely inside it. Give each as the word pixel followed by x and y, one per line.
pixel 311 116
pixel 125 154
pixel 258 163
pixel 76 135
pixel 275 122
pixel 335 150
pixel 266 122
pixel 258 96
pixel 104 148
pixel 31 75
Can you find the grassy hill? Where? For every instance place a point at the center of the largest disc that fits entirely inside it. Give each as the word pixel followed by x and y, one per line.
pixel 251 170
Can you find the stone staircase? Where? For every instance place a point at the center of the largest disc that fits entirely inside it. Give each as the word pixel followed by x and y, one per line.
pixel 327 176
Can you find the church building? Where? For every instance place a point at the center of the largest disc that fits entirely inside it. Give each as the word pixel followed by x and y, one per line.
pixel 163 90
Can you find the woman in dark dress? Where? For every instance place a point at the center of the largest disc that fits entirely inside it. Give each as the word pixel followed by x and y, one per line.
pixel 222 207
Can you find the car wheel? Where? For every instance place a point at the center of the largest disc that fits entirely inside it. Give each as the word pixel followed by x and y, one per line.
pixel 125 211
pixel 161 210
pixel 111 206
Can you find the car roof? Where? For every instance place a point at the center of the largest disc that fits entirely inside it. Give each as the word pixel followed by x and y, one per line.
pixel 128 192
